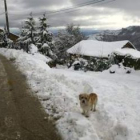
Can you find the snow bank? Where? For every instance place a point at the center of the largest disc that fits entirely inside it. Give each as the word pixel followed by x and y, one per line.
pixel 25 60
pixel 33 49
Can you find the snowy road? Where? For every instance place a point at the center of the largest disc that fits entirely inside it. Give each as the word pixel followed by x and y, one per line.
pixel 21 114
pixel 118 110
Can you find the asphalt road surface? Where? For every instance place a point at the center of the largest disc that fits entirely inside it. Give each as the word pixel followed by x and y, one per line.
pixel 21 114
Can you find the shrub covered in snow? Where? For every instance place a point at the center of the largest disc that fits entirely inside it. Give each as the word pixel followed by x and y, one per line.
pixel 119 69
pixel 80 64
pixel 91 64
pixel 127 61
pixel 5 41
pixel 99 64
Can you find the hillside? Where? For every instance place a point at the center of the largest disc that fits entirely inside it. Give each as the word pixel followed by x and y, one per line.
pixel 131 33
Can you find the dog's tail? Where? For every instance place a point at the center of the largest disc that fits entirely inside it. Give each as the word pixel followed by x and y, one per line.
pixel 95 104
pixel 96 100
pixel 88 88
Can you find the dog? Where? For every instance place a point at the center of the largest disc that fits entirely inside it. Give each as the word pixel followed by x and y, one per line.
pixel 87 101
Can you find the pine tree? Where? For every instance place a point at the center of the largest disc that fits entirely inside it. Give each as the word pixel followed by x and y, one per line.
pixel 21 39
pixel 45 44
pixel 30 29
pixel 28 34
pixel 45 35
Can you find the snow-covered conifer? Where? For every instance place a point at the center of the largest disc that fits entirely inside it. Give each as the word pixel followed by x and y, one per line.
pixel 45 44
pixel 28 33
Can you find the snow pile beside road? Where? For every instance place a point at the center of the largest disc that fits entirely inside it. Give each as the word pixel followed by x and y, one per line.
pixel 33 49
pixel 118 111
pixel 25 60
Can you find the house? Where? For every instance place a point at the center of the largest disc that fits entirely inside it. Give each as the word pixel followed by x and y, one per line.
pixel 124 52
pixel 12 36
pixel 98 49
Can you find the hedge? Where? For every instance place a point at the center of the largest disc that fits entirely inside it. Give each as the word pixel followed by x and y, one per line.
pixel 127 61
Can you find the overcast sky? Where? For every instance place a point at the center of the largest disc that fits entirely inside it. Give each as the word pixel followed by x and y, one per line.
pixel 113 15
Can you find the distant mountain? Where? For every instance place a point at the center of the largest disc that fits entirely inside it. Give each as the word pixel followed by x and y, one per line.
pixel 15 31
pixel 131 33
pixel 86 32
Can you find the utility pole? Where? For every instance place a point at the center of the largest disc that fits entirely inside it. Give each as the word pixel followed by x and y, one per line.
pixel 6 16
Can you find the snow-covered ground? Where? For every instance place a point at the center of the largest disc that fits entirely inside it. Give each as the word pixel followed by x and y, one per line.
pixel 118 110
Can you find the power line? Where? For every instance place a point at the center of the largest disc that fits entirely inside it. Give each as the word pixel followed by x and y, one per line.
pixel 107 2
pixel 71 9
pixel 68 10
pixel 2 13
pixel 75 7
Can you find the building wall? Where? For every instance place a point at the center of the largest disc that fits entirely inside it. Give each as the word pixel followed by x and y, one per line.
pixel 11 36
pixel 128 45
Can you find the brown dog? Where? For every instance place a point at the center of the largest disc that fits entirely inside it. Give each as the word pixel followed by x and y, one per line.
pixel 87 101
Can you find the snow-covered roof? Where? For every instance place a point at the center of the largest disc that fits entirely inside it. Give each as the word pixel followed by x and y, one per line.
pixel 130 52
pixel 97 48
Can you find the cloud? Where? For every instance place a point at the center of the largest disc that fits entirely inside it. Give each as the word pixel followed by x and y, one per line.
pixel 113 15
